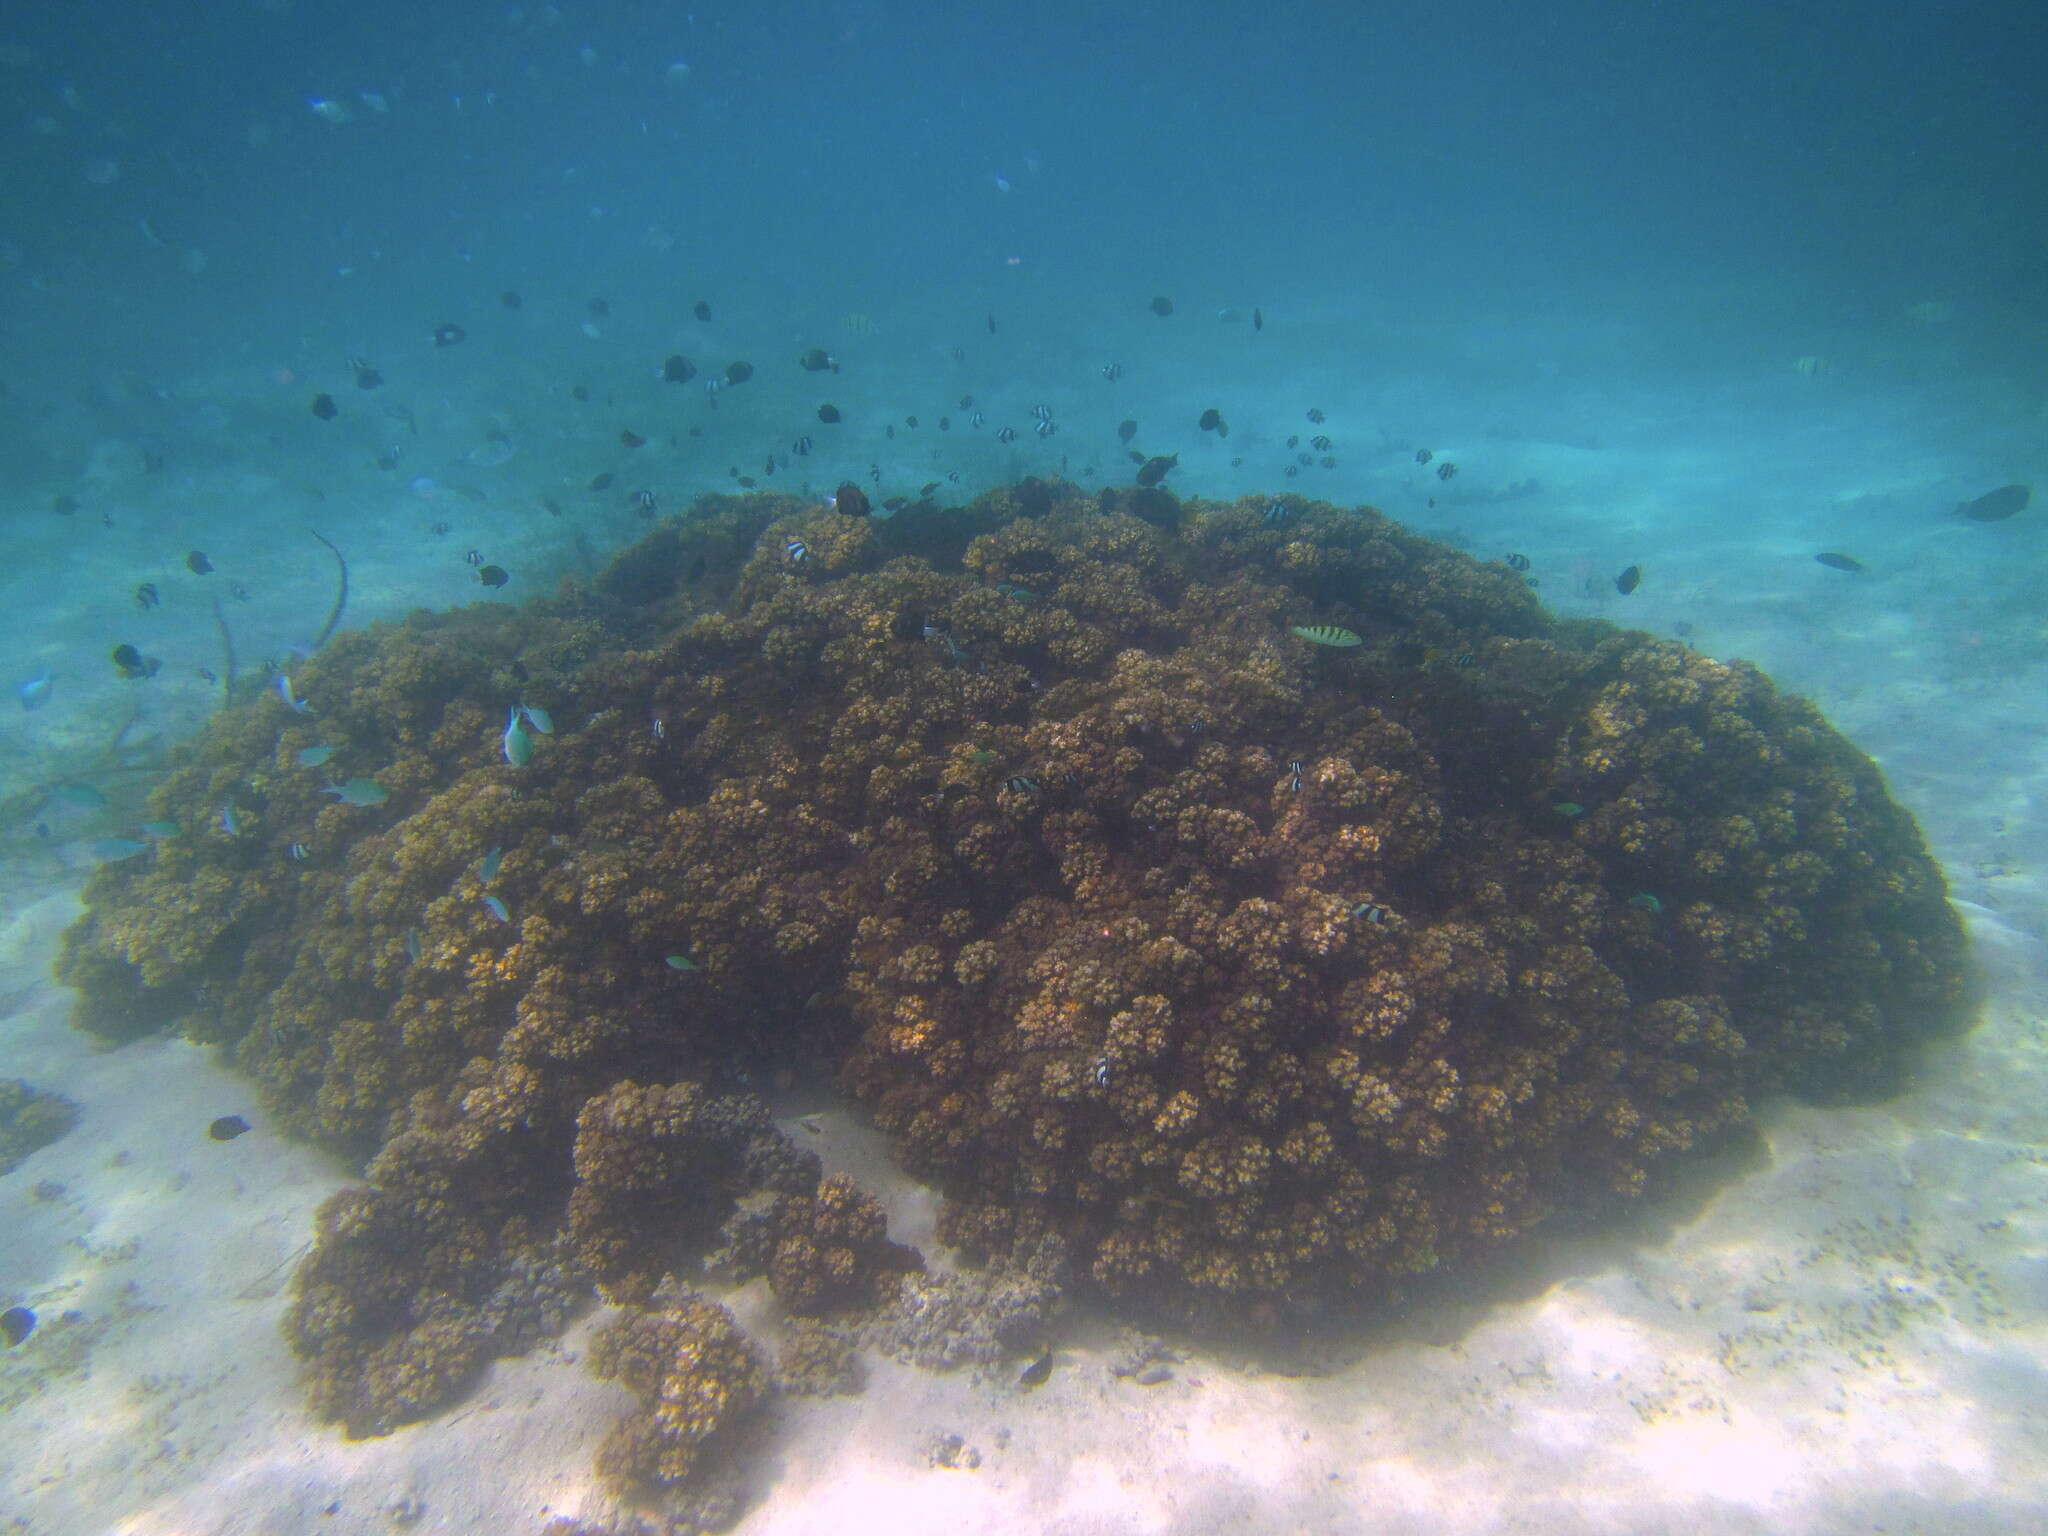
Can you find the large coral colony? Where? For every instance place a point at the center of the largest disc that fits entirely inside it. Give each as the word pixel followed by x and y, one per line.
pixel 1263 903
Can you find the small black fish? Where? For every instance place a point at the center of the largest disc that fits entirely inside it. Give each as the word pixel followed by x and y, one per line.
pixel 1835 562
pixel 738 373
pixel 818 360
pixel 991 325
pixel 1629 580
pixel 910 422
pixel 628 438
pixel 701 310
pixel 64 506
pixel 1258 320
pixel 366 376
pixel 325 408
pixel 510 299
pixel 1516 562
pixel 146 596
pixel 493 575
pixel 16 1324
pixel 601 481
pixel 945 423
pixel 197 563
pixel 828 414
pixel 1157 468
pixel 678 369
pixel 1210 420
pixel 1996 506
pixel 227 1128
pixel 1161 306
pixel 850 500
pixel 1036 1373
pixel 1126 430
pixel 449 334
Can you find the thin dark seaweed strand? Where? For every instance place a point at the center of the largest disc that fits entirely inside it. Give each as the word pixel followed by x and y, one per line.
pixel 340 595
pixel 227 652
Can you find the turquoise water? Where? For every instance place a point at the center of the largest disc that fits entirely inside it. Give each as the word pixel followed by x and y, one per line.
pixel 1703 292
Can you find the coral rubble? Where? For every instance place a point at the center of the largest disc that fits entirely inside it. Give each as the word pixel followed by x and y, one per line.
pixel 1249 966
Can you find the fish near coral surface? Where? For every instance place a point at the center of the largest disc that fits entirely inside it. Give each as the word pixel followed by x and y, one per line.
pixel 1096 956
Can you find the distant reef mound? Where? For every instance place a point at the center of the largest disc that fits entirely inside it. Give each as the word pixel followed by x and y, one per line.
pixel 1257 900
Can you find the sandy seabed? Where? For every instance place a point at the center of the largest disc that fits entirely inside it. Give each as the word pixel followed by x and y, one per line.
pixel 1843 1329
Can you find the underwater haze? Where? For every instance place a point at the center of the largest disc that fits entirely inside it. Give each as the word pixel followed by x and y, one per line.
pixel 1024 768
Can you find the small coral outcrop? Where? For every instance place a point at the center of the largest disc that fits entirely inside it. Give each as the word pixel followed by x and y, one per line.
pixel 699 1380
pixel 30 1119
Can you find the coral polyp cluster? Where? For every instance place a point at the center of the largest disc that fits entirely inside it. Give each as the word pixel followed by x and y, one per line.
pixel 1246 964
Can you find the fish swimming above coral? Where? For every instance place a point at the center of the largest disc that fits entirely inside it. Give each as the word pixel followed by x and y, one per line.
pixel 362 792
